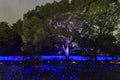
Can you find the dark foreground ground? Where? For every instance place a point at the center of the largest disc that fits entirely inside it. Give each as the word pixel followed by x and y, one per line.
pixel 60 71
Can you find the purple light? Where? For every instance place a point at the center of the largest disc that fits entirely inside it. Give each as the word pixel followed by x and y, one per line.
pixel 79 58
pixel 11 58
pixel 53 57
pixel 101 58
pixel 46 58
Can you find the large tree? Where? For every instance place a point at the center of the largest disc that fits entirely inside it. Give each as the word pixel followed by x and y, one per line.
pixel 36 35
pixel 69 26
pixel 70 21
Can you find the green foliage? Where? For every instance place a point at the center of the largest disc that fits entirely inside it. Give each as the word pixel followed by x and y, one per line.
pixel 6 33
pixel 36 34
pixel 94 17
pixel 10 41
pixel 107 20
pixel 17 27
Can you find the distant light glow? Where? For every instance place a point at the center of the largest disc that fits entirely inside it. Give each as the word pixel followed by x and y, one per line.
pixel 111 62
pixel 1 63
pixel 11 62
pixel 102 62
pixel 73 62
pixel 119 1
pixel 70 1
pixel 21 62
pixel 118 62
pixel 48 61
pixel 61 61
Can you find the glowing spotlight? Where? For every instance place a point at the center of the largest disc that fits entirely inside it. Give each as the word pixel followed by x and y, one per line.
pixel 11 62
pixel 102 62
pixel 118 62
pixel 48 61
pixel 74 62
pixel 61 61
pixel 20 61
pixel 1 63
pixel 111 62
pixel 114 62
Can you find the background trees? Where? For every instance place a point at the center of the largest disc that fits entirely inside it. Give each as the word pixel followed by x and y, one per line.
pixel 104 26
pixel 85 22
pixel 9 40
pixel 89 24
pixel 36 34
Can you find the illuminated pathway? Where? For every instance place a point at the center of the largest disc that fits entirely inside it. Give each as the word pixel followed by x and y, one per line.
pixel 77 58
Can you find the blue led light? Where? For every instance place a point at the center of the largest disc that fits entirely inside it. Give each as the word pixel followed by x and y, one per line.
pixel 53 57
pixel 79 58
pixel 118 58
pixel 57 58
pixel 101 58
pixel 109 58
pixel 11 58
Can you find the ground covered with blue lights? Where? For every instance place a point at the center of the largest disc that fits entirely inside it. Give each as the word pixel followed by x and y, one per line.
pixel 12 71
pixel 72 71
pixel 57 68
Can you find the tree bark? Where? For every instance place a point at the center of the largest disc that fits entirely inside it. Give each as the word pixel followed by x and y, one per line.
pixel 67 52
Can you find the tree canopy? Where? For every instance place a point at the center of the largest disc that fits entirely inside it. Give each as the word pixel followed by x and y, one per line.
pixel 89 22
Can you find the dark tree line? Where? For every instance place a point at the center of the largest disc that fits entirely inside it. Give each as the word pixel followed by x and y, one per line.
pixel 88 23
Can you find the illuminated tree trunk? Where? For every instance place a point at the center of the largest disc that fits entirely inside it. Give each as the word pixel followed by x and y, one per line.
pixel 66 48
pixel 67 51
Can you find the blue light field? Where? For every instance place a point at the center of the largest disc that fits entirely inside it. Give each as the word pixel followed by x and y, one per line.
pixel 77 58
